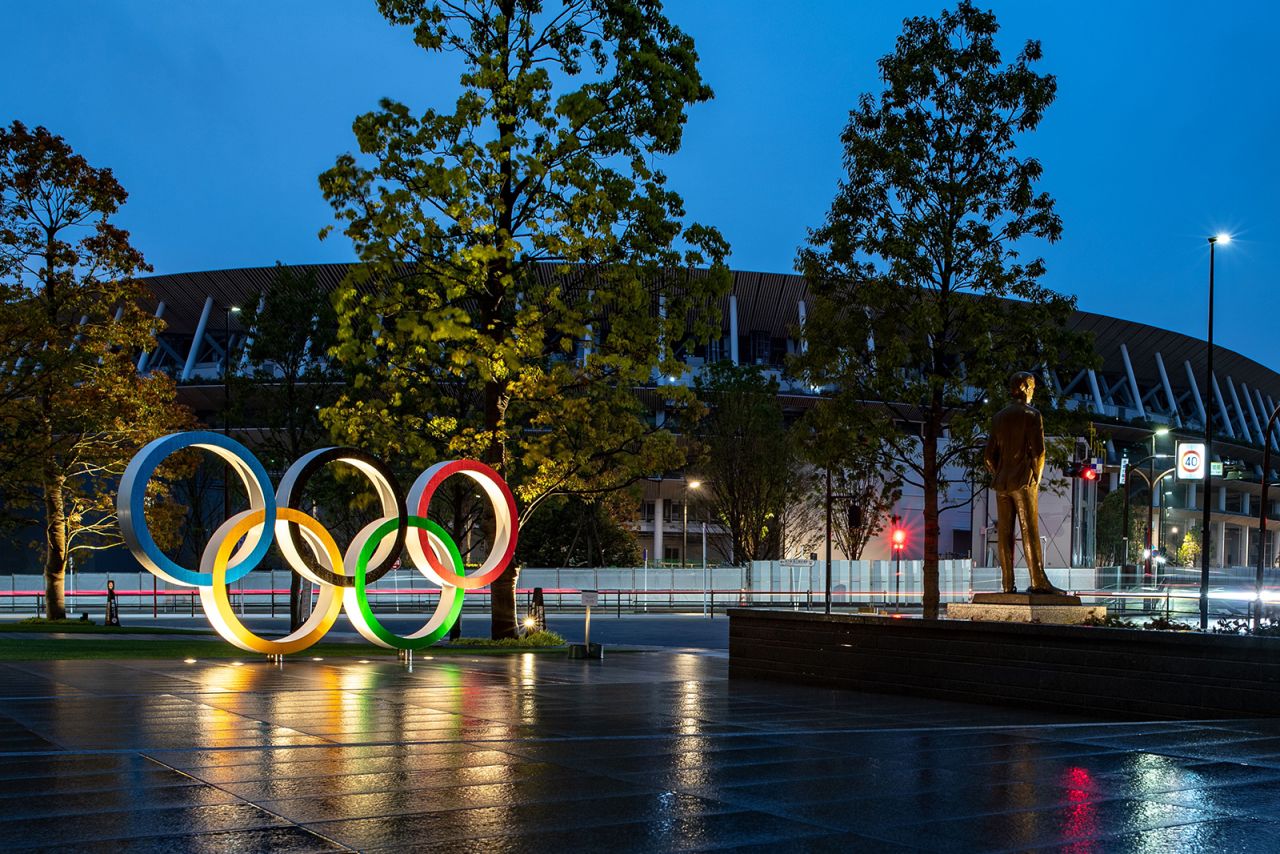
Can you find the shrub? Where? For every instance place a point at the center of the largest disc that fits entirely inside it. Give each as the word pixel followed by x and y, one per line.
pixel 1109 622
pixel 533 640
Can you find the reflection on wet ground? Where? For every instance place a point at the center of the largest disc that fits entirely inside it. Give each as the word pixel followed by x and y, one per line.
pixel 641 752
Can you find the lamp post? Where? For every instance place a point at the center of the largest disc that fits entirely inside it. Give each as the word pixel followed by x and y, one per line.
pixel 1128 489
pixel 227 311
pixel 1151 473
pixel 1263 511
pixel 1208 444
pixel 684 541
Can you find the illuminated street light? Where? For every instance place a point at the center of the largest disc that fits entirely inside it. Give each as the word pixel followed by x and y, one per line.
pixel 1224 239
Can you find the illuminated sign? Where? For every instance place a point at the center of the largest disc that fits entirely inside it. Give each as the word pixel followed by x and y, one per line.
pixel 242 541
pixel 1191 459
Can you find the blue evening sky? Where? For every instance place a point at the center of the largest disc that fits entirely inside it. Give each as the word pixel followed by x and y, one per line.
pixel 218 116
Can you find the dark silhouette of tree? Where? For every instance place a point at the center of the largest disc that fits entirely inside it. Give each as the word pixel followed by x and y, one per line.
pixel 524 264
pixel 923 303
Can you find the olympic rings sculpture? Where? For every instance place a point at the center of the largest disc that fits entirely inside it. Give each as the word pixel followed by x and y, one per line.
pixel 242 541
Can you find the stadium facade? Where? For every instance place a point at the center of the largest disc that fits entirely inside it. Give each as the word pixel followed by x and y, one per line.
pixel 1148 379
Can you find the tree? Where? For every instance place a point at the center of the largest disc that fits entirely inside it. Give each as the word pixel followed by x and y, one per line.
pixel 1189 550
pixel 524 265
pixel 288 378
pixel 857 466
pixel 922 304
pixel 1110 524
pixel 571 531
pixel 753 472
pixel 75 409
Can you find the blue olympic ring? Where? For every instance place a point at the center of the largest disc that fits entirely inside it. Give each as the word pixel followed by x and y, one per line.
pixel 131 505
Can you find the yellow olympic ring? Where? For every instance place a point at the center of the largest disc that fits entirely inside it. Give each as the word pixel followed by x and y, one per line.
pixel 217 605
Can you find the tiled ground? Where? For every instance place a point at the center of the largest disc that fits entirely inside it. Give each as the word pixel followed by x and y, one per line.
pixel 643 752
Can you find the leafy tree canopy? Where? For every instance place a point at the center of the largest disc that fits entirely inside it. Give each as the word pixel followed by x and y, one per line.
pixel 73 407
pixel 525 265
pixel 924 303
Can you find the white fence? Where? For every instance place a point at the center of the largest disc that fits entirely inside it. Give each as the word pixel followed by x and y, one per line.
pixel 792 583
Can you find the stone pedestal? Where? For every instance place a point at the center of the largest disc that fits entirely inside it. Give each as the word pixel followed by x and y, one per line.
pixel 1049 608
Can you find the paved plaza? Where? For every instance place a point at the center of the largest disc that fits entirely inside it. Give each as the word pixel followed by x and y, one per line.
pixel 646 751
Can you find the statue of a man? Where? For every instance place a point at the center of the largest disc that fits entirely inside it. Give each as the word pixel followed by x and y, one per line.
pixel 1015 458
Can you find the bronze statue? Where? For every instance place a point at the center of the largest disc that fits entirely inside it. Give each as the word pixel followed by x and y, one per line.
pixel 1015 458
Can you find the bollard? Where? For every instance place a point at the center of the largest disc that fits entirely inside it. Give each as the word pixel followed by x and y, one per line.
pixel 587 649
pixel 113 609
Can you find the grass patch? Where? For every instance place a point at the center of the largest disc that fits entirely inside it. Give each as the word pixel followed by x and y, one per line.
pixel 533 640
pixel 40 624
pixel 77 649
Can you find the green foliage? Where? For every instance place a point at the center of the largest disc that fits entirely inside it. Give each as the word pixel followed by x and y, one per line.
pixel 1110 621
pixel 922 301
pixel 1189 549
pixel 524 265
pixel 73 408
pixel 533 640
pixel 571 531
pixel 1267 627
pixel 1110 522
pixel 858 468
pixel 288 378
pixel 751 471
pixel 1167 624
pixel 31 623
pixel 287 375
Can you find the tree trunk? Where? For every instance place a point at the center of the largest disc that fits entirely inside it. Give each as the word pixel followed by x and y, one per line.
pixel 55 554
pixel 930 483
pixel 296 617
pixel 503 590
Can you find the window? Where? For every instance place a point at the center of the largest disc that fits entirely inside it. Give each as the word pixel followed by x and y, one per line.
pixel 761 347
pixel 646 511
pixel 671 553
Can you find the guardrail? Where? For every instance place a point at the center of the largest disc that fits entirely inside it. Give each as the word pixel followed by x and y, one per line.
pixel 1166 599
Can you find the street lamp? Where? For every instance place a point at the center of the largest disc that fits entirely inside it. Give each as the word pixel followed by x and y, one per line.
pixel 1128 489
pixel 684 526
pixel 226 404
pixel 1224 239
pixel 1151 472
pixel 684 541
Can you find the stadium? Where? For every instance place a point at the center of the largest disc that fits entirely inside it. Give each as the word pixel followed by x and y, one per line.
pixel 1150 379
pixel 1146 395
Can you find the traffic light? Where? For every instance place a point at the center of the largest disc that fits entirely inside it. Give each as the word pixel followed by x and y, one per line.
pixel 1083 469
pixel 855 516
pixel 899 539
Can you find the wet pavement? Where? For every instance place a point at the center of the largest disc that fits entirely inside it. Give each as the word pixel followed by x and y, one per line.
pixel 653 751
pixel 682 631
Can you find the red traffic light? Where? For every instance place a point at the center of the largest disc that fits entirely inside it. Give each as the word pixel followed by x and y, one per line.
pixel 899 538
pixel 1089 473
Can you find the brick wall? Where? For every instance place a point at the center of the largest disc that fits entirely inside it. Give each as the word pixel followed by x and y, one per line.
pixel 1132 673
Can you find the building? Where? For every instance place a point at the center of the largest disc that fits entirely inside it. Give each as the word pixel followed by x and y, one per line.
pixel 1149 379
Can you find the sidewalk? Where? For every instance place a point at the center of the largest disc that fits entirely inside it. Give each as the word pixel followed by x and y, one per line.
pixel 640 752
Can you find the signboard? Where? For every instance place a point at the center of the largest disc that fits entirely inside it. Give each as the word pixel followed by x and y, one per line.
pixel 590 598
pixel 1191 460
pixel 1215 469
pixel 1124 468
